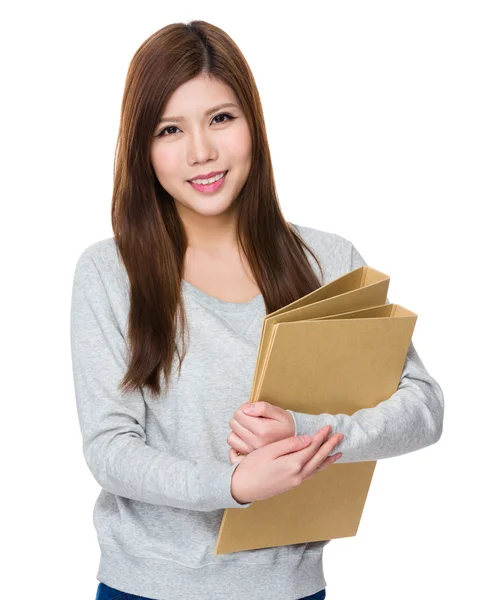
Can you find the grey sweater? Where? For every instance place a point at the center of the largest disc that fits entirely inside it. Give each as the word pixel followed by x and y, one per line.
pixel 163 463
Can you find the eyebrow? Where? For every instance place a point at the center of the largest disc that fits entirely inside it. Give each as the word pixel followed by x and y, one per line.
pixel 207 113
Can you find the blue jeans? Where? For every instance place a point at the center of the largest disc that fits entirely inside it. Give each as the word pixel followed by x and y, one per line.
pixel 105 592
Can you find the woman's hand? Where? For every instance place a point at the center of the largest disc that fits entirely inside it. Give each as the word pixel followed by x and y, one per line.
pixel 267 424
pixel 283 465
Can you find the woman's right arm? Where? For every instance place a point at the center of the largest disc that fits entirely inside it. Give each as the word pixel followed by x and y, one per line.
pixel 112 422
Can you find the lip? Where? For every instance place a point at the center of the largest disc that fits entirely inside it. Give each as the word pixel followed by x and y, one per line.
pixel 211 187
pixel 206 175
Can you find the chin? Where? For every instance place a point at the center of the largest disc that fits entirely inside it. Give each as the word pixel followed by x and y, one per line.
pixel 208 206
pixel 212 211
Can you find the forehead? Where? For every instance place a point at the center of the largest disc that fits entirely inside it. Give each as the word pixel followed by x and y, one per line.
pixel 196 97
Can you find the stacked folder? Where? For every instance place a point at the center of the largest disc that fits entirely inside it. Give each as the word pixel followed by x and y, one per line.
pixel 339 349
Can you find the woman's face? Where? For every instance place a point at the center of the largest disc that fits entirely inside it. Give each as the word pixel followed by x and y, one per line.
pixel 199 140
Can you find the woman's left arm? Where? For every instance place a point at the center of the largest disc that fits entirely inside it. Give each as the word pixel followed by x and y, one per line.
pixel 411 419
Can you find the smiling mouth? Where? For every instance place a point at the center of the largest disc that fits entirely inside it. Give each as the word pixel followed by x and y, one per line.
pixel 210 188
pixel 204 181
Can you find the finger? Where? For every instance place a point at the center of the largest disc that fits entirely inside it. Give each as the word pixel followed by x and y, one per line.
pixel 322 453
pixel 318 450
pixel 261 408
pixel 245 433
pixel 258 410
pixel 328 461
pixel 244 417
pixel 237 444
pixel 252 423
pixel 234 457
pixel 325 464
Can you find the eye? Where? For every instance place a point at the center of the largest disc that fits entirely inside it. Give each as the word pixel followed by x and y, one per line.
pixel 224 115
pixel 162 132
pixel 166 129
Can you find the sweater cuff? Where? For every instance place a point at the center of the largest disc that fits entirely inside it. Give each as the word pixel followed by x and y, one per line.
pixel 295 422
pixel 230 501
pixel 307 424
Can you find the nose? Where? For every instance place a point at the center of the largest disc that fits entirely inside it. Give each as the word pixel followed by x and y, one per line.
pixel 201 148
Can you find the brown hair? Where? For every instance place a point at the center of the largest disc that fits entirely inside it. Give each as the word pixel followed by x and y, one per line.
pixel 149 234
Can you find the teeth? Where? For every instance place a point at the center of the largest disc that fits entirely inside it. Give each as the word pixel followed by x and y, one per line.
pixel 210 180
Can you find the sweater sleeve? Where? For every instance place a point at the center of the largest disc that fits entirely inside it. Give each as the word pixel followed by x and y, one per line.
pixel 112 422
pixel 411 419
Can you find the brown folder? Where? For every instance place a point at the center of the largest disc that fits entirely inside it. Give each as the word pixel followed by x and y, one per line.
pixel 361 288
pixel 328 359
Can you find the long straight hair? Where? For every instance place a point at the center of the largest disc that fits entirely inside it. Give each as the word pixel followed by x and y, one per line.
pixel 149 234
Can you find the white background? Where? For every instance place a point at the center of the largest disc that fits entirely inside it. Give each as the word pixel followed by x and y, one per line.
pixel 373 122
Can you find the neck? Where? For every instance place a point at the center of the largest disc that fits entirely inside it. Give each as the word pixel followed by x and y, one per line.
pixel 210 233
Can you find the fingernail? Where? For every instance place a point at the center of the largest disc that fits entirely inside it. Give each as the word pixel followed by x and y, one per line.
pixel 250 408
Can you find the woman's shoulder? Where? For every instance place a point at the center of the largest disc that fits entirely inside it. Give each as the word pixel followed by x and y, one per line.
pixel 100 250
pixel 104 258
pixel 104 253
pixel 332 250
pixel 325 240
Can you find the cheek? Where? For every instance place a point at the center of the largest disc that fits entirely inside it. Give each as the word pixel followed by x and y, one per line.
pixel 165 164
pixel 240 145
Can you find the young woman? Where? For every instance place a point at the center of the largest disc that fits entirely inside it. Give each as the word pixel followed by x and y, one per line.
pixel 200 247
